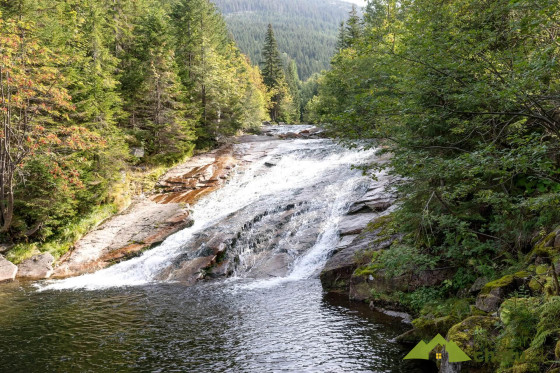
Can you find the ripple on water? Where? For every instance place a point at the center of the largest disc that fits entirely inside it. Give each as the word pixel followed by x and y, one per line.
pixel 220 327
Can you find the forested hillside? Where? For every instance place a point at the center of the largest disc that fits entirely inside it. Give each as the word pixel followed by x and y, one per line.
pixel 465 97
pixel 306 30
pixel 82 82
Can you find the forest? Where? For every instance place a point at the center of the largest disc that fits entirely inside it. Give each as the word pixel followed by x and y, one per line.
pixel 306 30
pixel 465 97
pixel 96 93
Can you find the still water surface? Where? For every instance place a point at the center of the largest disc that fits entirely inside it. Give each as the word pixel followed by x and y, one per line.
pixel 219 327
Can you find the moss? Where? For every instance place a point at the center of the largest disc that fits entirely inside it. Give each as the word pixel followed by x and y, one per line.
pixel 541 269
pixel 474 311
pixel 536 285
pixel 464 333
pixel 427 328
pixel 547 241
pixel 501 282
pixel 364 271
pixel 544 248
pixel 522 274
pixel 380 222
pixel 525 368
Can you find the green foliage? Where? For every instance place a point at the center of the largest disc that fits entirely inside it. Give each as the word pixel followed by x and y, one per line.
pixel 400 259
pixel 464 96
pixel 520 319
pixel 103 76
pixel 306 30
pixel 421 297
pixel 65 238
pixel 282 85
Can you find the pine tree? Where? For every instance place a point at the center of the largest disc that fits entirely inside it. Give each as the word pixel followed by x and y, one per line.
pixel 282 106
pixel 341 40
pixel 273 73
pixel 353 30
pixel 155 95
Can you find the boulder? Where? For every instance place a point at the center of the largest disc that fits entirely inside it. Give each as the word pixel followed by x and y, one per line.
pixel 409 282
pixel 37 267
pixel 354 224
pixel 478 285
pixel 426 328
pixel 339 268
pixel 137 152
pixel 448 367
pixel 8 270
pixel 494 292
pixel 291 135
pixel 5 247
pixel 467 335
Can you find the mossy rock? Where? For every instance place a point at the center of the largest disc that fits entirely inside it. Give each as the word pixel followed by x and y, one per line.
pixel 474 311
pixel 541 269
pixel 525 368
pixel 465 332
pixel 499 283
pixel 547 247
pixel 428 328
pixel 494 292
pixel 537 284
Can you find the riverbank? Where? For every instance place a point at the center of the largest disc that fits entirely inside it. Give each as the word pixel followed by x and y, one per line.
pixel 505 323
pixel 154 214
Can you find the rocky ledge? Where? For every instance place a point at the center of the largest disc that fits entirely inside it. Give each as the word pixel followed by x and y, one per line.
pixel 152 217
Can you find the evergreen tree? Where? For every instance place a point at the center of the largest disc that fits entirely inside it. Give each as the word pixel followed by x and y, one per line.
pixel 155 96
pixel 282 107
pixel 272 70
pixel 294 86
pixel 353 30
pixel 86 78
pixel 341 41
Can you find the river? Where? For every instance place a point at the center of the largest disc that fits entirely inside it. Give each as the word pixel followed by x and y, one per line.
pixel 264 312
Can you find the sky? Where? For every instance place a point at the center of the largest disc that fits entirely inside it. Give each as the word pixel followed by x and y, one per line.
pixel 358 2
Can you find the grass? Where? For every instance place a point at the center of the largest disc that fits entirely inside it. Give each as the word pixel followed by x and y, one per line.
pixel 67 237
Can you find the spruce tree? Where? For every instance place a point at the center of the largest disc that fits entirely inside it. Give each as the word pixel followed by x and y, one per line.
pixel 341 40
pixel 282 105
pixel 273 73
pixel 353 28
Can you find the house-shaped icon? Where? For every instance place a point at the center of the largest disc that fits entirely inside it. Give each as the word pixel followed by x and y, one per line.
pixel 422 350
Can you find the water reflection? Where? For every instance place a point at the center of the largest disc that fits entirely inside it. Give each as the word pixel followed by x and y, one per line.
pixel 220 327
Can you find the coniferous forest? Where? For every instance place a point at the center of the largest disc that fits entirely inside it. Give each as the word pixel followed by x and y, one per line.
pixel 83 83
pixel 306 30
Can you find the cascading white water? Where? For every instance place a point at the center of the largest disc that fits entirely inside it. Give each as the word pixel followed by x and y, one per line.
pixel 318 169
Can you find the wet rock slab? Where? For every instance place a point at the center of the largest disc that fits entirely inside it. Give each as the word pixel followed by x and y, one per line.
pixel 354 224
pixel 37 267
pixel 8 270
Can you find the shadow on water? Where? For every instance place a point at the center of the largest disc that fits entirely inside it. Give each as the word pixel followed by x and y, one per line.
pixel 221 327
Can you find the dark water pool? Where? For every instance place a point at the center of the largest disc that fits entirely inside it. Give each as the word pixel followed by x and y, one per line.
pixel 220 327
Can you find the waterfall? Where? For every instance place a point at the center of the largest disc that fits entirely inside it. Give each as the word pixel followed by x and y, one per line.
pixel 282 212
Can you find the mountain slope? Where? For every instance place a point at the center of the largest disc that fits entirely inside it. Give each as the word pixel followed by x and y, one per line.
pixel 306 30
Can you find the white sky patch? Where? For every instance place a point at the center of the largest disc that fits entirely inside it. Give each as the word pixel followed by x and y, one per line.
pixel 357 2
